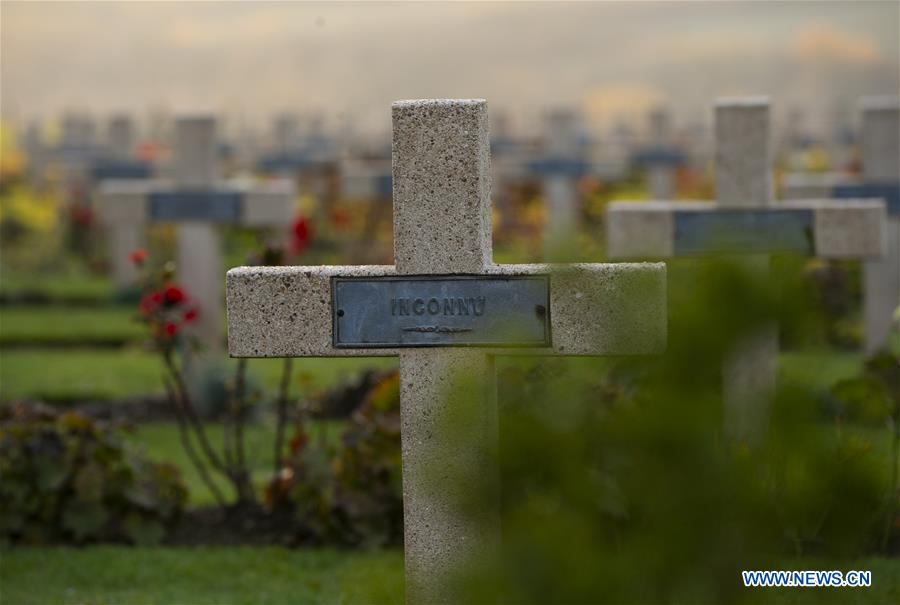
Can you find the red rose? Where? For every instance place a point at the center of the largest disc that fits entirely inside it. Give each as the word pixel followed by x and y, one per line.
pixel 138 257
pixel 191 315
pixel 173 295
pixel 171 330
pixel 149 302
pixel 300 232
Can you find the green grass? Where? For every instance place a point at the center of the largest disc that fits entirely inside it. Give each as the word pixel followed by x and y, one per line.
pixel 818 368
pixel 112 575
pixel 79 374
pixel 48 325
pixel 162 443
pixel 74 286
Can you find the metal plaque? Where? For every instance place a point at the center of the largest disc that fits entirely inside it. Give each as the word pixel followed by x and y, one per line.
pixel 744 231
pixel 889 192
pixel 215 206
pixel 388 312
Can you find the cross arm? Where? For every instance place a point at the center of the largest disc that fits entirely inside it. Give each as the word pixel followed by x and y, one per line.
pixel 837 229
pixel 266 204
pixel 595 309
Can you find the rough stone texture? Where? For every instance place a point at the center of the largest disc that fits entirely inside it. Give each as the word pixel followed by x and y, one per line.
pixel 881 139
pixel 640 230
pixel 595 309
pixel 194 163
pixel 848 228
pixel 442 224
pixel 743 153
pixel 441 172
pixel 449 437
pixel 881 279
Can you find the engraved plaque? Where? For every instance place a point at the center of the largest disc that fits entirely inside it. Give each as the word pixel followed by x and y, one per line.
pixel 215 206
pixel 388 312
pixel 744 231
pixel 889 192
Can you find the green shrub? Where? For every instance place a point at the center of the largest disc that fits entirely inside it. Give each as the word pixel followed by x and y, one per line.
pixel 352 495
pixel 67 478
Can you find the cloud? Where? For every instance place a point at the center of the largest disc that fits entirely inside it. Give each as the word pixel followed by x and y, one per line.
pixel 820 41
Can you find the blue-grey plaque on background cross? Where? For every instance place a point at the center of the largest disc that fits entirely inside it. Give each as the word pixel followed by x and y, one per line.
pixel 559 166
pixel 120 170
pixel 426 311
pixel 743 231
pixel 889 192
pixel 214 206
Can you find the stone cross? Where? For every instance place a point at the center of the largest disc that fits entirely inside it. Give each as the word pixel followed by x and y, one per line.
pixel 880 151
pixel 743 220
pixel 197 202
pixel 446 310
pixel 560 169
pixel 660 159
pixel 117 160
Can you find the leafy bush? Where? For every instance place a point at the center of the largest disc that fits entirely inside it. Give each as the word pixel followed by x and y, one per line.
pixel 66 478
pixel 352 495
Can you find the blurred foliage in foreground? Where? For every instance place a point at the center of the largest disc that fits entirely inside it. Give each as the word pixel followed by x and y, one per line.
pixel 620 482
pixel 67 478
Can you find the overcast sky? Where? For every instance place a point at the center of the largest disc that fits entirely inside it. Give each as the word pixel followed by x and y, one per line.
pixel 249 60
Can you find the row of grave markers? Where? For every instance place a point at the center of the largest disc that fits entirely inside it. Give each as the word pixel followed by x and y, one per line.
pixel 447 310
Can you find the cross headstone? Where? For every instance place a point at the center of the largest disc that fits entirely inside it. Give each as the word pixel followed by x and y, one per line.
pixel 743 220
pixel 197 202
pixel 446 310
pixel 660 158
pixel 880 152
pixel 560 168
pixel 117 160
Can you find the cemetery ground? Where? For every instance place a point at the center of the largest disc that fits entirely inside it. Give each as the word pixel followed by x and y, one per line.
pixel 69 340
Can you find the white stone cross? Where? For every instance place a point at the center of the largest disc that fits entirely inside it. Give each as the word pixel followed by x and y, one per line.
pixel 560 167
pixel 197 201
pixel 880 150
pixel 442 293
pixel 743 220
pixel 660 158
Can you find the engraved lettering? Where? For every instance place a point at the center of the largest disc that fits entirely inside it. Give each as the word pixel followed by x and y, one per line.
pixel 463 306
pixel 434 307
pixel 476 309
pixel 448 307
pixel 393 306
pixel 404 306
pixel 419 306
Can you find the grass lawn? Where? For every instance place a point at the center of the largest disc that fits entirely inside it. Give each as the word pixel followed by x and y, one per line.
pixel 75 286
pixel 79 374
pixel 162 443
pixel 52 324
pixel 112 575
pixel 272 575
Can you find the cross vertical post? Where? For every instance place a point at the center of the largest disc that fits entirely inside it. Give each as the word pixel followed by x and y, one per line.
pixel 446 310
pixel 441 175
pixel 881 167
pixel 199 256
pixel 744 180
